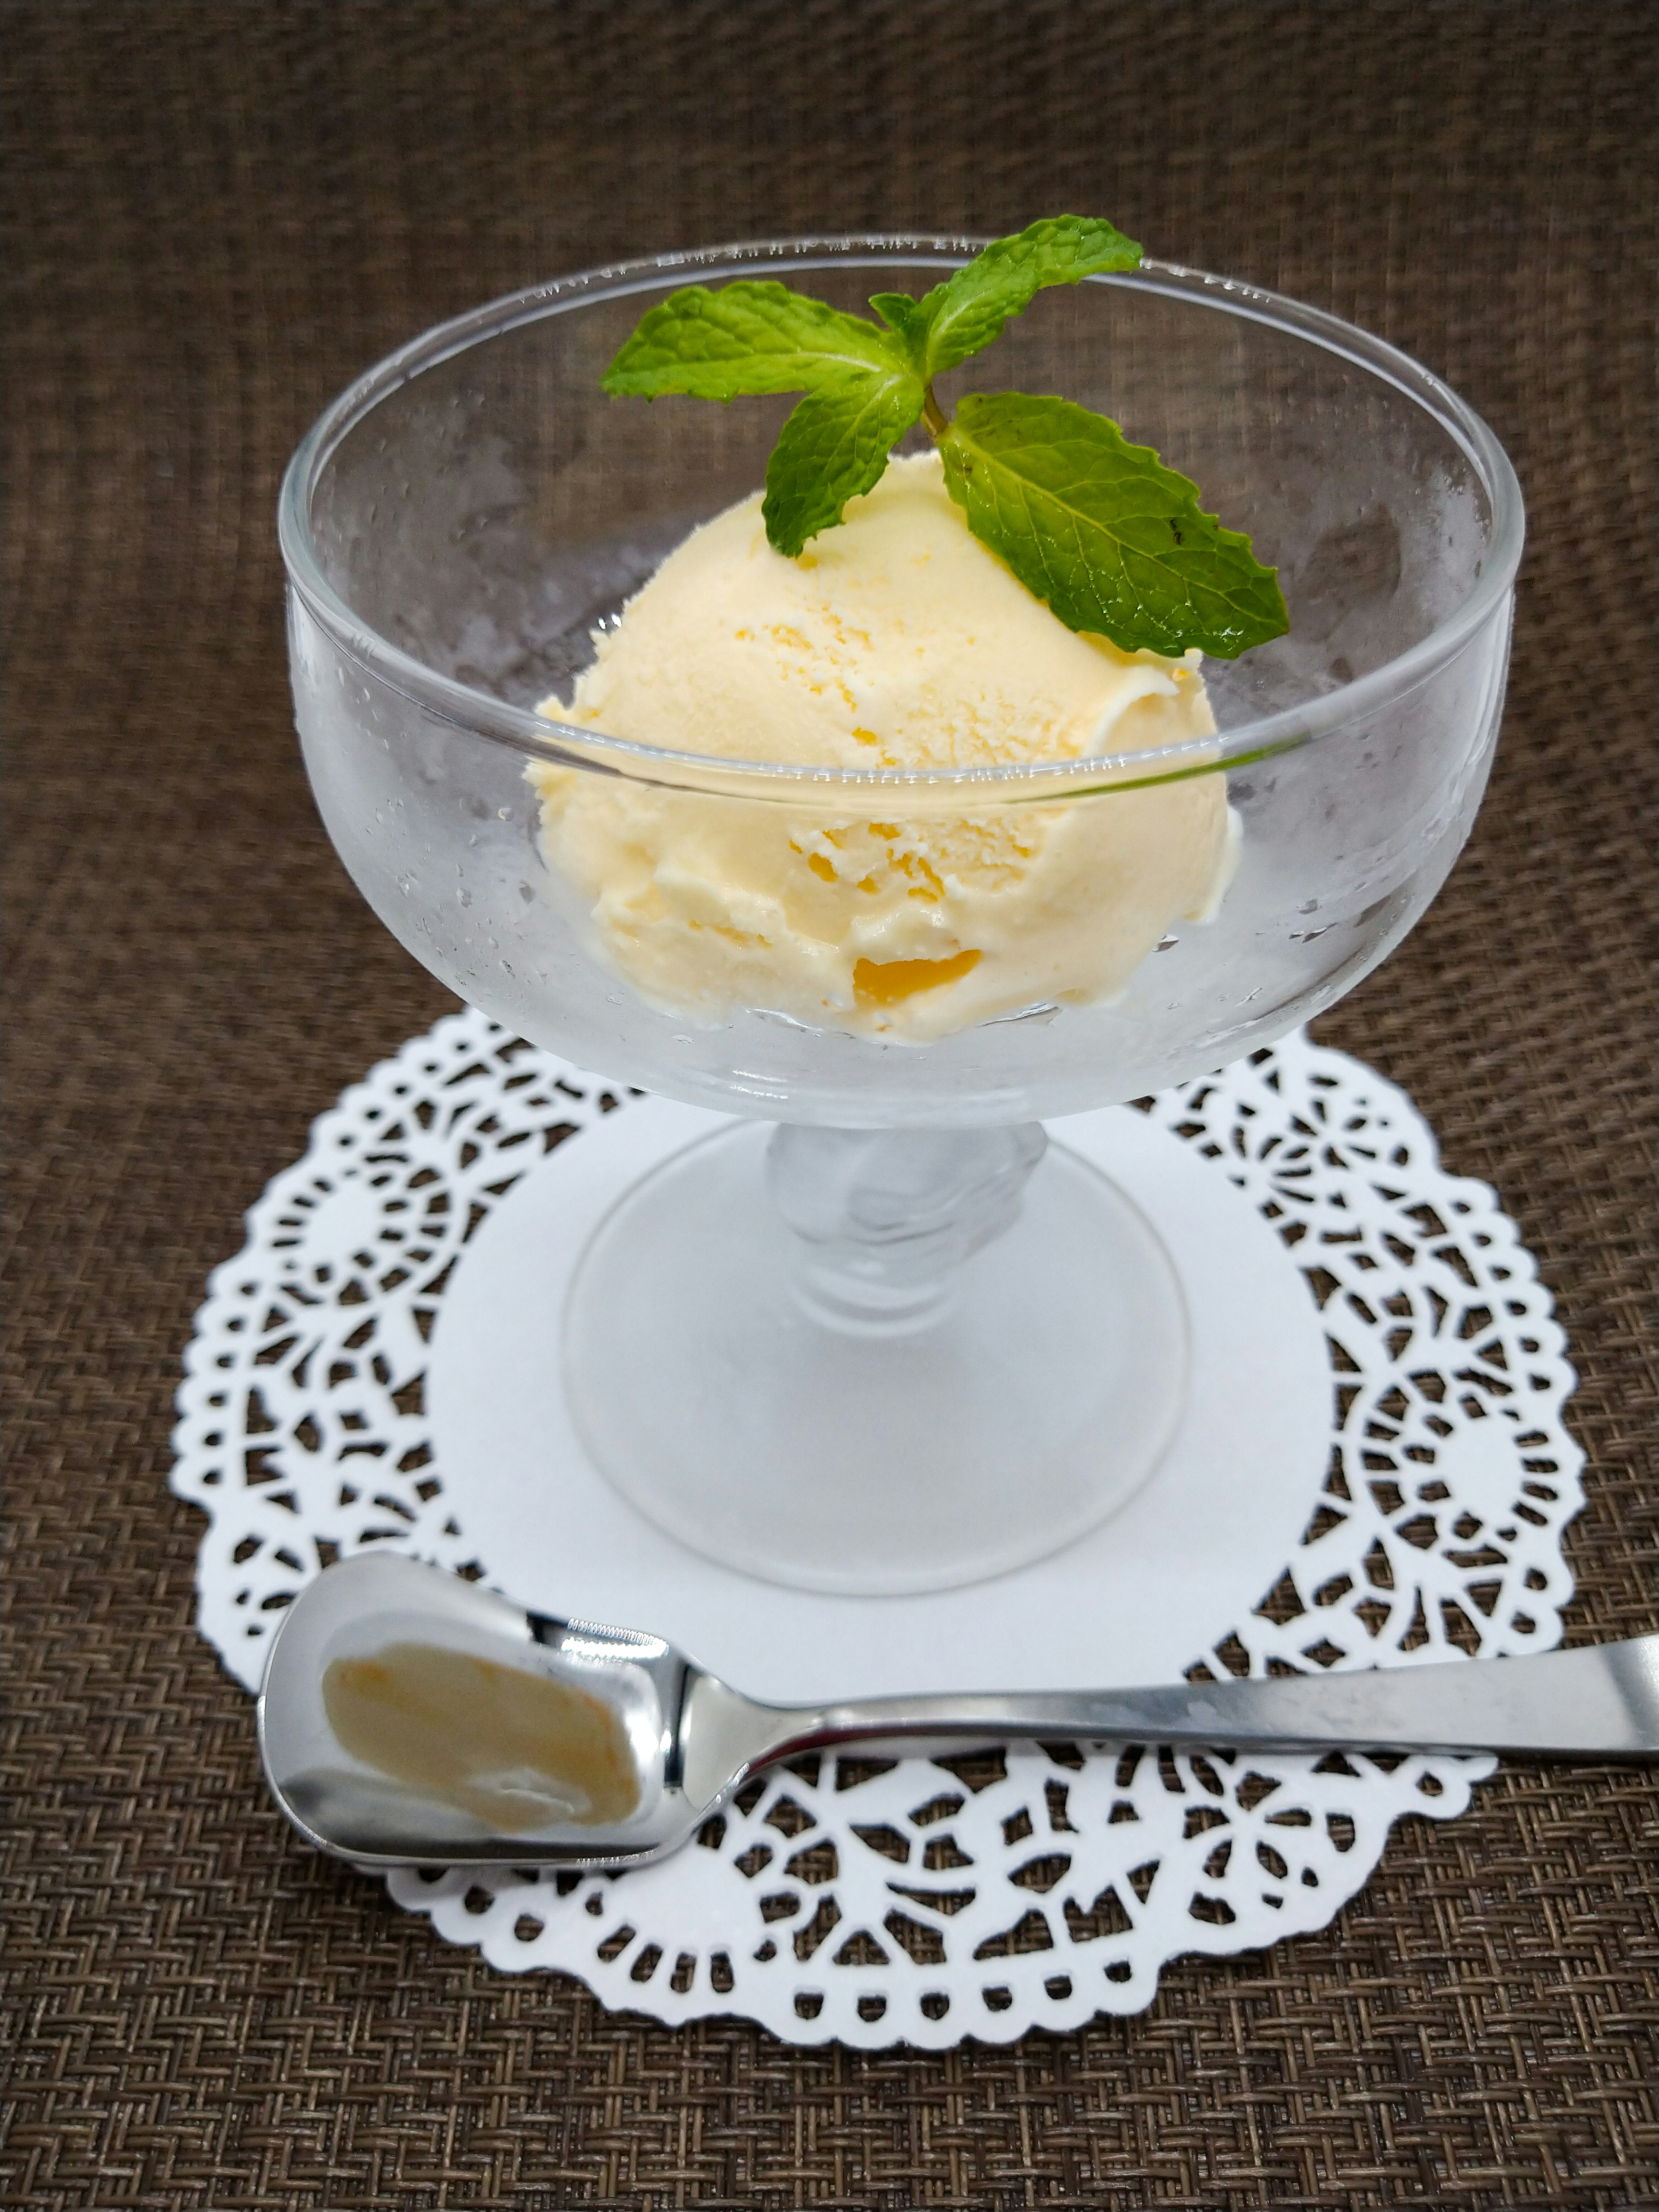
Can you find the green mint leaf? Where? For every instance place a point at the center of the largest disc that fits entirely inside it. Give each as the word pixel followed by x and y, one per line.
pixel 747 336
pixel 834 446
pixel 908 319
pixel 970 309
pixel 1108 538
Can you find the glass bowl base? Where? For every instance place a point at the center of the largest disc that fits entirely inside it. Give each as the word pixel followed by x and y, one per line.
pixel 871 1464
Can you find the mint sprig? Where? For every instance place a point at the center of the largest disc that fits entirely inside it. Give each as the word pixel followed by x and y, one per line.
pixel 1111 540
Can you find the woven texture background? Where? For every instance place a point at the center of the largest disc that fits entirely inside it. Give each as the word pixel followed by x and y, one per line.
pixel 219 213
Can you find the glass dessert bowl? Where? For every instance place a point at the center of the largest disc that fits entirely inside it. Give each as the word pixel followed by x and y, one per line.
pixel 877 1334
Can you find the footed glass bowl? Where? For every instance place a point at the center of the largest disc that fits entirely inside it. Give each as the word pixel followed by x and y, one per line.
pixel 895 1341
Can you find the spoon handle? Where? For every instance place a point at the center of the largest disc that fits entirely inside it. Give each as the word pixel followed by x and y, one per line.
pixel 1601 1701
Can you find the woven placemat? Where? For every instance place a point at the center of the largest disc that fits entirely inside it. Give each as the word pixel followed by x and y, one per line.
pixel 219 213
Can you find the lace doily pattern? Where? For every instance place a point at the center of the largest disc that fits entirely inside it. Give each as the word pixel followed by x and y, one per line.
pixel 1451 1474
pixel 303 1429
pixel 866 1902
pixel 860 1903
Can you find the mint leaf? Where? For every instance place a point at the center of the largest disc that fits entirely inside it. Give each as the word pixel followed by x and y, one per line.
pixel 1108 538
pixel 908 318
pixel 835 444
pixel 964 313
pixel 747 336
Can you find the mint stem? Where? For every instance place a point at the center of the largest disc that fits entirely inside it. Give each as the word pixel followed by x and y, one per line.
pixel 934 415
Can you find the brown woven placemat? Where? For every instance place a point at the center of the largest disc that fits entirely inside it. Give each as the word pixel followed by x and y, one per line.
pixel 219 213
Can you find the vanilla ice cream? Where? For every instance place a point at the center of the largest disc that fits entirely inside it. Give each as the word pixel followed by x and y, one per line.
pixel 896 641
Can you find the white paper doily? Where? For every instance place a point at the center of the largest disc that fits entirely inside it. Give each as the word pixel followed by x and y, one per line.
pixel 913 1901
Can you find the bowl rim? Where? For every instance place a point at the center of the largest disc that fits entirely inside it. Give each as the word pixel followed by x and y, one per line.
pixel 566 744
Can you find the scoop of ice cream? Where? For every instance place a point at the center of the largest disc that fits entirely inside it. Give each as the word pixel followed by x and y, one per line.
pixel 895 641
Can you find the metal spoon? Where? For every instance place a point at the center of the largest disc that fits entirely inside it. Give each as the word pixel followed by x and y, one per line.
pixel 630 1767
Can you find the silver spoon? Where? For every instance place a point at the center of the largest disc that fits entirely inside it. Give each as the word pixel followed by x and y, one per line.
pixel 409 1717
